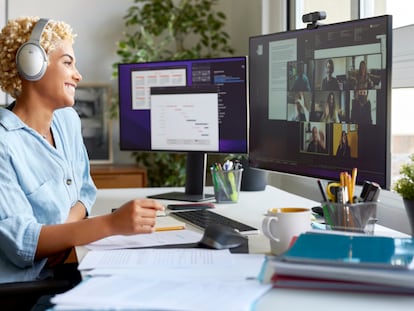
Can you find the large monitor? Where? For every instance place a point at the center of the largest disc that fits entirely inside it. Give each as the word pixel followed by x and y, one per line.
pixel 195 106
pixel 320 100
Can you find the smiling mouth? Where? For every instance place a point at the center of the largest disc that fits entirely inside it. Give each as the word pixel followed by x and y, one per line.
pixel 70 87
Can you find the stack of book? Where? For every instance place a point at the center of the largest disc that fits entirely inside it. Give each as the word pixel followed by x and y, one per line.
pixel 344 262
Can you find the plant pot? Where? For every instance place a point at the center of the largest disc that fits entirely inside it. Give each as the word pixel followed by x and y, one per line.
pixel 409 208
pixel 253 179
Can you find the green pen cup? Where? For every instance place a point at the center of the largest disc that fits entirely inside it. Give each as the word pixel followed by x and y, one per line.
pixel 357 217
pixel 226 185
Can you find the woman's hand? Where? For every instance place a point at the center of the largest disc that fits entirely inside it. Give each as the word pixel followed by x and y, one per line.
pixel 136 216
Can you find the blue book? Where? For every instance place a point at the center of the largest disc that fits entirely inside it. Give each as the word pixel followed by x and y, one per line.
pixel 352 250
pixel 344 262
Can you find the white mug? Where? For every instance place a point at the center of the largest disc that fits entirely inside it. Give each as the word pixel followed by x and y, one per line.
pixel 280 225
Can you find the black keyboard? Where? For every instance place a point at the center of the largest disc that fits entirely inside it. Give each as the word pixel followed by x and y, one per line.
pixel 202 218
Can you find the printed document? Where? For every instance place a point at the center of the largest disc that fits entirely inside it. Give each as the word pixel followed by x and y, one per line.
pixel 153 258
pixel 134 293
pixel 171 237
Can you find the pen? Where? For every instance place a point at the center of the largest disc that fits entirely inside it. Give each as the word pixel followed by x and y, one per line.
pixel 324 197
pixel 228 165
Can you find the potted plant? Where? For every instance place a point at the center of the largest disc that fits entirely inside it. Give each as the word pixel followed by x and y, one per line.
pixel 170 30
pixel 405 187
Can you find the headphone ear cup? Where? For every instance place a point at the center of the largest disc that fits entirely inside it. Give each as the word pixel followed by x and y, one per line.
pixel 31 61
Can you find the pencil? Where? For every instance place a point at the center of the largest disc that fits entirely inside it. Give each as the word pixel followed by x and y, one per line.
pixel 169 228
pixel 353 182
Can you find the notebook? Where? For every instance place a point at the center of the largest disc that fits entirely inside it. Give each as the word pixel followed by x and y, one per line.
pixel 359 250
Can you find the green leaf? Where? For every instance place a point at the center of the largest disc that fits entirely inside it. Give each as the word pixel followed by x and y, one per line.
pixel 169 30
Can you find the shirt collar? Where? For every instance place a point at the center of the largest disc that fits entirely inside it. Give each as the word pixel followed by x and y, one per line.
pixel 9 120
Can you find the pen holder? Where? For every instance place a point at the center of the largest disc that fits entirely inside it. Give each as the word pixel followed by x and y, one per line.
pixel 358 217
pixel 226 185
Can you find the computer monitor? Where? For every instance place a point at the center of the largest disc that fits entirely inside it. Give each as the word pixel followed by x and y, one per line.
pixel 196 106
pixel 312 110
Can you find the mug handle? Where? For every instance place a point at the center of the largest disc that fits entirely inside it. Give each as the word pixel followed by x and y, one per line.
pixel 267 221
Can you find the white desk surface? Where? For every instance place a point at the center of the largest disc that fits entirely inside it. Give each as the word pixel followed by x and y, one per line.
pixel 250 210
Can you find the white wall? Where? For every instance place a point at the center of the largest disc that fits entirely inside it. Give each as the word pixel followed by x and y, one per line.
pixel 99 25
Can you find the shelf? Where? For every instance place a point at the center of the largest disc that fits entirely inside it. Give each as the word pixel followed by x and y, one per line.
pixel 118 176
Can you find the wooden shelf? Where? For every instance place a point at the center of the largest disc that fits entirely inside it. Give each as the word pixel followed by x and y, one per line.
pixel 118 176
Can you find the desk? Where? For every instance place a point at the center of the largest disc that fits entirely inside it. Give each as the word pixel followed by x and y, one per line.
pixel 250 210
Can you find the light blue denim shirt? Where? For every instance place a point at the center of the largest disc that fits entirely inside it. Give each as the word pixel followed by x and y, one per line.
pixel 38 185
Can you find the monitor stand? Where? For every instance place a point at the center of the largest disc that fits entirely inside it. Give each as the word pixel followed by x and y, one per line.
pixel 194 181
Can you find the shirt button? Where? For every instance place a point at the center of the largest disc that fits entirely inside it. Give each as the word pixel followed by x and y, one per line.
pixel 69 181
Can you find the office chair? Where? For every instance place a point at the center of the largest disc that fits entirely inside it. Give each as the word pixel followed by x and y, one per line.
pixel 23 296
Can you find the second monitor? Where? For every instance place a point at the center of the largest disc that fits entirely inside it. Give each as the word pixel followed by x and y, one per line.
pixel 195 106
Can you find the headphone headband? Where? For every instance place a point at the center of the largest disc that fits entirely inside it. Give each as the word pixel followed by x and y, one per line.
pixel 38 30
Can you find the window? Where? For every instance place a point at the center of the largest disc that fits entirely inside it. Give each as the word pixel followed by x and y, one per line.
pixel 336 11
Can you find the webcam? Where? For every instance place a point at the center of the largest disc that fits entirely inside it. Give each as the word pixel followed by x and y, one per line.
pixel 313 18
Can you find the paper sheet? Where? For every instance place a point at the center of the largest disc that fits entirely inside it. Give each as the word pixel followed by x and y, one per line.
pixel 168 223
pixel 153 258
pixel 241 267
pixel 146 240
pixel 129 292
pixel 166 279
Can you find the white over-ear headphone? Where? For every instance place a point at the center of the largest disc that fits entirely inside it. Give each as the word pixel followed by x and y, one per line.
pixel 31 58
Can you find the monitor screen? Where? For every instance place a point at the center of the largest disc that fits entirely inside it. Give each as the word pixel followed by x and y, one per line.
pixel 197 106
pixel 320 100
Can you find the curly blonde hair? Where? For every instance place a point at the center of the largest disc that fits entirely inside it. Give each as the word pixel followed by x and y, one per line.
pixel 13 35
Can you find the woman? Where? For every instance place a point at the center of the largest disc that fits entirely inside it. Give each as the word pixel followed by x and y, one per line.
pixel 330 114
pixel 363 79
pixel 46 190
pixel 344 150
pixel 302 112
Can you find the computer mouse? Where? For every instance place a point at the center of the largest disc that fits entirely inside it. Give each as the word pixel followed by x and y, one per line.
pixel 219 236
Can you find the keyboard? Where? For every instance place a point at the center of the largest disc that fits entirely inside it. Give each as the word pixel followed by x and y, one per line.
pixel 202 218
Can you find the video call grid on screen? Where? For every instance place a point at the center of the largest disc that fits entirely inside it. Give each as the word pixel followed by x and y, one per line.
pixel 228 75
pixel 312 113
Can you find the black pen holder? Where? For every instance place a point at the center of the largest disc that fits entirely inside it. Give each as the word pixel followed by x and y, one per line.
pixel 357 217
